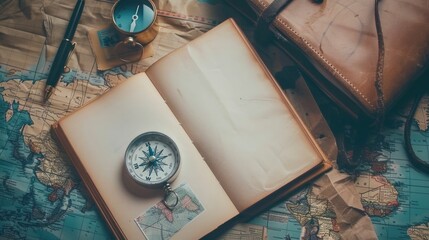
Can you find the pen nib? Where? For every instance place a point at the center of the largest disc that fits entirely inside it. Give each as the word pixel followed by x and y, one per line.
pixel 48 92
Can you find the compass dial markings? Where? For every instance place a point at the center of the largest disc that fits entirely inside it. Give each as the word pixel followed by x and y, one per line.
pixel 153 160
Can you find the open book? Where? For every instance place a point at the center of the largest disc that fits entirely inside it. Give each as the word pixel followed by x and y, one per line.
pixel 241 142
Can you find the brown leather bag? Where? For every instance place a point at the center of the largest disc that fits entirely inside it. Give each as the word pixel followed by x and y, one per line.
pixel 362 67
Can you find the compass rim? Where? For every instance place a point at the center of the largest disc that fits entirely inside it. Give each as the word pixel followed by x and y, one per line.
pixel 163 138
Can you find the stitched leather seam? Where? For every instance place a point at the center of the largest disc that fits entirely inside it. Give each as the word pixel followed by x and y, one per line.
pixel 364 97
pixel 327 62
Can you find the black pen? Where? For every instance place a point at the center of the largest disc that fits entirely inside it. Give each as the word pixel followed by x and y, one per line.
pixel 64 50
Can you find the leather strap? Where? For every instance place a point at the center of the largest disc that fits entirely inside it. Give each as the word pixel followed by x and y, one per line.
pixel 380 68
pixel 268 16
pixel 412 156
pixel 350 163
pixel 361 135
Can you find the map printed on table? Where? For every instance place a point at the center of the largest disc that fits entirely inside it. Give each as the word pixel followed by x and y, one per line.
pixel 392 192
pixel 159 222
pixel 41 196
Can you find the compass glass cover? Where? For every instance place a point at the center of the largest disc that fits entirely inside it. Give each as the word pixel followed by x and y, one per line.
pixel 152 159
pixel 133 16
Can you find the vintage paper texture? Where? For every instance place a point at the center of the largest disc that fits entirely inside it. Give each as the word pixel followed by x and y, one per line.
pixel 30 32
pixel 106 45
pixel 159 221
pixel 340 190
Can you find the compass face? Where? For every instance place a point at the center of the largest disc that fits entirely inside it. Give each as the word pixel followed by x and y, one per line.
pixel 133 16
pixel 152 159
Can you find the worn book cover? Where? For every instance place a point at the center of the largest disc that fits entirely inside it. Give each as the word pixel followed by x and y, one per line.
pixel 242 145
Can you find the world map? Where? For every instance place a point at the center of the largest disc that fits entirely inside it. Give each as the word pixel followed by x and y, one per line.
pixel 161 222
pixel 393 193
pixel 42 197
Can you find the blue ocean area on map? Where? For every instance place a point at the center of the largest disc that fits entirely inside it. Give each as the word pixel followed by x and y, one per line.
pixel 37 209
pixel 280 223
pixel 22 74
pixel 42 196
pixel 410 184
pixel 395 194
pixel 29 210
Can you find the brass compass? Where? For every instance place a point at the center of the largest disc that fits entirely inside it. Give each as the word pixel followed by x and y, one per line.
pixel 152 160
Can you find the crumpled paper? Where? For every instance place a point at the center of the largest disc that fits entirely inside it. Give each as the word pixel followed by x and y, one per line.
pixel 340 190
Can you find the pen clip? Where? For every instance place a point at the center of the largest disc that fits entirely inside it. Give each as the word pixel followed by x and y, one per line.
pixel 73 45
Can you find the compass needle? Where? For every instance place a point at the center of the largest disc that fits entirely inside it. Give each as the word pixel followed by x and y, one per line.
pixel 134 18
pixel 146 154
pixel 146 167
pixel 155 167
pixel 149 149
pixel 160 152
pixel 146 161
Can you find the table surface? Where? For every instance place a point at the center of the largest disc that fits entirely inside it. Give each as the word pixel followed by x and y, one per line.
pixel 41 195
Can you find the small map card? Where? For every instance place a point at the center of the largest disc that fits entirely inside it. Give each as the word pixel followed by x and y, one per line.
pixel 103 43
pixel 158 222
